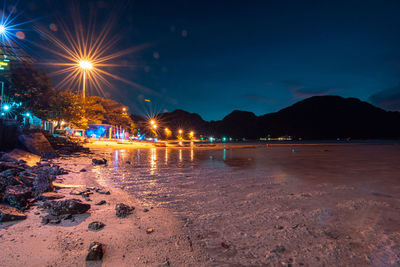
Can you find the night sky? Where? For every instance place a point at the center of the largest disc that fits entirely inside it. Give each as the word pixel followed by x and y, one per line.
pixel 211 57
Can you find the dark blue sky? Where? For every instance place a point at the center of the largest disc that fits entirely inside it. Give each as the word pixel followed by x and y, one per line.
pixel 211 57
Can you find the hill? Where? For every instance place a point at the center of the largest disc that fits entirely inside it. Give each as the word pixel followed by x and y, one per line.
pixel 318 117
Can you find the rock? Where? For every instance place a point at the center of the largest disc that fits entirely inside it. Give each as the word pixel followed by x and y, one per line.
pixel 83 170
pixel 50 196
pixel 145 210
pixel 36 143
pixel 18 155
pixel 128 162
pixel 99 161
pixel 17 196
pixel 8 213
pixel 123 210
pixel 51 219
pixel 96 252
pixel 94 226
pixel 42 183
pixel 68 206
pixel 76 192
pixel 103 191
pixel 279 249
pixel 101 202
pixel 5 165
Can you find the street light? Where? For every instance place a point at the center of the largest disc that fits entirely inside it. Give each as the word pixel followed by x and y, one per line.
pixel 3 29
pixel 84 65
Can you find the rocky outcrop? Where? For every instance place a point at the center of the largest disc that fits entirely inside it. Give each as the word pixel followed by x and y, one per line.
pixel 8 213
pixel 19 155
pixel 68 206
pixel 17 196
pixel 42 183
pixel 37 143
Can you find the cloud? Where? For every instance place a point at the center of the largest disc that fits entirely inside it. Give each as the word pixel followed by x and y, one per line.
pixel 257 98
pixel 300 90
pixel 388 99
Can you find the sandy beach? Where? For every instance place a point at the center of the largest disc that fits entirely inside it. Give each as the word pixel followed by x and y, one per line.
pixel 233 206
pixel 30 243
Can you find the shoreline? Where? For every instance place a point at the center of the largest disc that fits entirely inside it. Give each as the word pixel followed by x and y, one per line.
pixel 28 242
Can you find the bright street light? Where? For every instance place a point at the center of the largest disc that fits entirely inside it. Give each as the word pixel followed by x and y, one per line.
pixel 84 65
pixel 6 107
pixel 2 29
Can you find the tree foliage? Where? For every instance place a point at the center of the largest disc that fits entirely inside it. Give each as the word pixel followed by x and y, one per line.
pixel 31 87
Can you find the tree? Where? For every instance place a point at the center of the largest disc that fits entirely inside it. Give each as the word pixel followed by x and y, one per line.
pixel 67 106
pixel 114 113
pixel 30 87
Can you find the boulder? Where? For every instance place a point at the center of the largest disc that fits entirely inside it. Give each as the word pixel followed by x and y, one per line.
pixel 94 226
pixel 18 155
pixel 96 252
pixel 123 210
pixel 36 143
pixel 17 196
pixel 42 183
pixel 68 206
pixel 8 213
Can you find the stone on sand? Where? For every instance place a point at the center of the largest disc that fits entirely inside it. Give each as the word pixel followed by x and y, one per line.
pixel 8 213
pixel 123 210
pixel 68 206
pixel 96 252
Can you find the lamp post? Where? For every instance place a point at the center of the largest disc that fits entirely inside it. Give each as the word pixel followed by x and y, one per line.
pixel 3 30
pixel 84 65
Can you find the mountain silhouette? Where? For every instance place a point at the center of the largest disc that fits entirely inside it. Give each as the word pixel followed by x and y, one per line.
pixel 318 117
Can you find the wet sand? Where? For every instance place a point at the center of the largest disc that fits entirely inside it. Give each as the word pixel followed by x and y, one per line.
pixel 316 205
pixel 29 243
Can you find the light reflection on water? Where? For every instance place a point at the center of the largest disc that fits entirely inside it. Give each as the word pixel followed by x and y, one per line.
pixel 228 192
pixel 165 171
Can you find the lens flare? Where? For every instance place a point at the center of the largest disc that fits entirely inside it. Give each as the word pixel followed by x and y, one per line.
pixel 83 55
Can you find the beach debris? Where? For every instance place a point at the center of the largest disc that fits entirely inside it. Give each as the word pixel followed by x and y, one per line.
pixel 149 230
pixel 225 245
pixel 128 162
pixel 69 206
pixel 190 243
pixel 99 161
pixel 123 210
pixel 50 196
pixel 279 249
pixel 17 196
pixel 145 210
pixel 42 183
pixel 94 226
pixel 101 202
pixel 166 263
pixel 8 213
pixel 96 252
